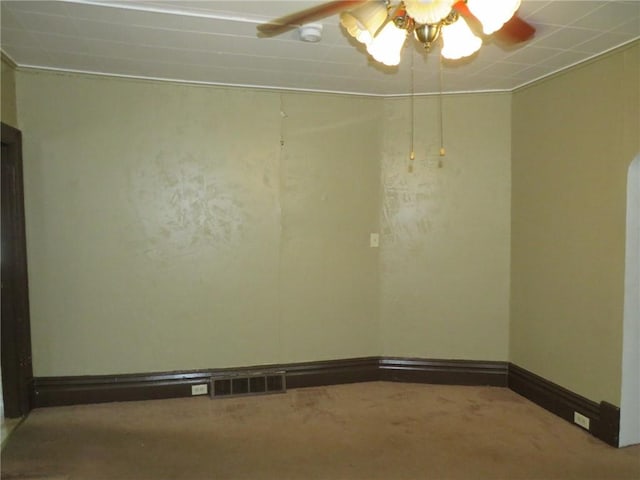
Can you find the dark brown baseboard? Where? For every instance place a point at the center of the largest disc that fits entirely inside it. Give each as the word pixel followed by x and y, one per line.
pixel 55 391
pixel 604 418
pixel 332 372
pixel 446 372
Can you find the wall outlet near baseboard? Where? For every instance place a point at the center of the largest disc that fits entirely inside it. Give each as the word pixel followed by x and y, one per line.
pixel 581 420
pixel 201 389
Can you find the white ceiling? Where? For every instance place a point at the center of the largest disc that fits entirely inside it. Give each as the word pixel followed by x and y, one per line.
pixel 215 42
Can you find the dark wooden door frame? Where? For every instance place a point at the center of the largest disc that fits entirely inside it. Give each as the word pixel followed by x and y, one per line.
pixel 17 371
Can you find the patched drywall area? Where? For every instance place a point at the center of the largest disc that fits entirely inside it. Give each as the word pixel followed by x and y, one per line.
pixel 183 208
pixel 445 228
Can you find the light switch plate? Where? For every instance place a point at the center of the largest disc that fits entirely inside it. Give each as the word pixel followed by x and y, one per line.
pixel 374 240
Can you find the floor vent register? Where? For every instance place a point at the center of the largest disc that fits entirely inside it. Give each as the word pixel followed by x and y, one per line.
pixel 251 383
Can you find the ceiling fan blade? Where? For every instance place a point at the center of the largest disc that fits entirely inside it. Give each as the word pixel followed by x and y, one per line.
pixel 289 22
pixel 463 10
pixel 514 30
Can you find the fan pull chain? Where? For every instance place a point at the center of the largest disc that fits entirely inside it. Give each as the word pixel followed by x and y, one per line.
pixel 412 155
pixel 442 149
pixel 283 115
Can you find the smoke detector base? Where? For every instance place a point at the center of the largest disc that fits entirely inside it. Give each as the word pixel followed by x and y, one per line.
pixel 311 32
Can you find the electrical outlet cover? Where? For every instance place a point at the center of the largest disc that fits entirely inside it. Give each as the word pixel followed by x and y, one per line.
pixel 581 420
pixel 201 389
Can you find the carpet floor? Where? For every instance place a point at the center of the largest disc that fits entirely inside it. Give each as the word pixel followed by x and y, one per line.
pixel 376 430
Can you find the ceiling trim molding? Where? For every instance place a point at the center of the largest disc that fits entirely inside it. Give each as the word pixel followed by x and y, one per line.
pixel 6 58
pixel 26 67
pixel 170 11
pixel 38 68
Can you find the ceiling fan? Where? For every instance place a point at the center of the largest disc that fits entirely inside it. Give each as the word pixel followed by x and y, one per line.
pixel 384 25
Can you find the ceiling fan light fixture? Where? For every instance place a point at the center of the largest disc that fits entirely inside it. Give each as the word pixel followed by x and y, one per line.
pixel 459 41
pixel 384 25
pixel 387 44
pixel 493 14
pixel 428 11
pixel 363 22
pixel 428 33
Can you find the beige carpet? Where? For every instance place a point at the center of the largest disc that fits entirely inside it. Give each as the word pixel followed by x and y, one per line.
pixel 362 431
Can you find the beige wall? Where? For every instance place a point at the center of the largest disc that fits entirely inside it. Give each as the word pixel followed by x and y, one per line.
pixel 8 94
pixel 167 230
pixel 445 243
pixel 574 137
pixel 330 184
